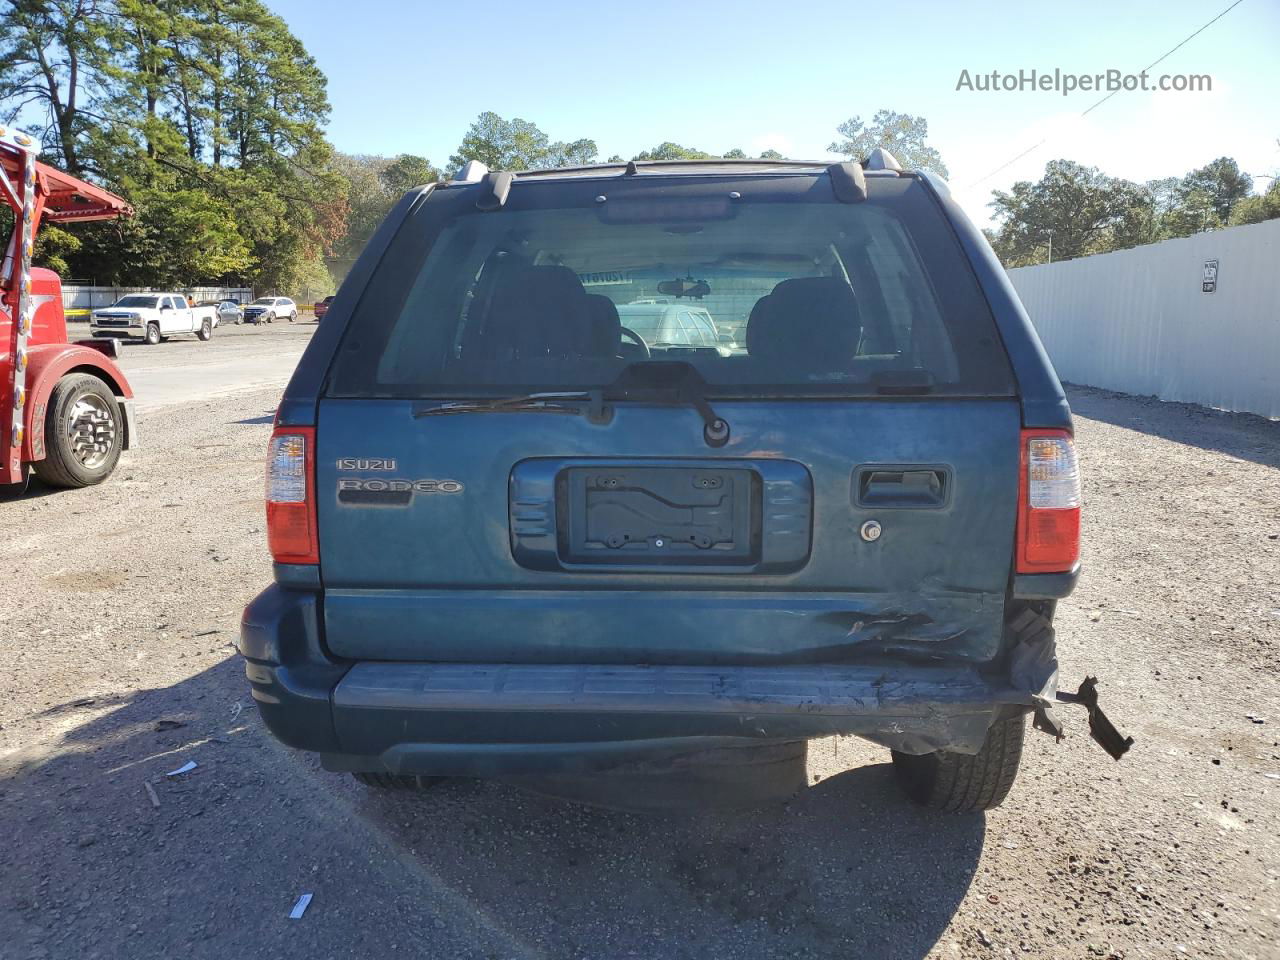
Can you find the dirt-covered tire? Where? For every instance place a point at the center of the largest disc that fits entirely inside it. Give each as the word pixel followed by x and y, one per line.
pixel 83 433
pixel 396 781
pixel 960 783
pixel 206 329
pixel 153 334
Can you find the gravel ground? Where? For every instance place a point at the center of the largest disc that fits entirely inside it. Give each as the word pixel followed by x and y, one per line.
pixel 118 660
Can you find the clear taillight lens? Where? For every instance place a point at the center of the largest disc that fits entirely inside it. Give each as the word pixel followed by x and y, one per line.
pixel 291 509
pixel 287 469
pixel 1048 539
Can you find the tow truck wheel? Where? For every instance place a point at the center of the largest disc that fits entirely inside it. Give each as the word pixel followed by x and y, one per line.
pixel 960 783
pixel 153 334
pixel 396 781
pixel 206 330
pixel 83 433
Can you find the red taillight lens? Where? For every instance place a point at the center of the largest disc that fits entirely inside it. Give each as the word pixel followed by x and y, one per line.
pixel 1048 503
pixel 291 502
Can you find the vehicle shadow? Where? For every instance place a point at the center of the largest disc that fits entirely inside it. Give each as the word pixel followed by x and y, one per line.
pixel 846 868
pixel 35 489
pixel 476 869
pixel 1242 435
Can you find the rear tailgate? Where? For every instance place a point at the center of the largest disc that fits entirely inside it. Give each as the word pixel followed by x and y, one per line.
pixel 542 538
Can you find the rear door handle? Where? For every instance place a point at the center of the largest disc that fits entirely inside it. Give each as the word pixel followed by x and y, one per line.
pixel 893 486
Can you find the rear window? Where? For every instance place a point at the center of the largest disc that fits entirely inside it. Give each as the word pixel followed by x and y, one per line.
pixel 767 285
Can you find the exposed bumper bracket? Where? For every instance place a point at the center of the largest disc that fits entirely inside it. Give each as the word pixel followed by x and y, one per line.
pixel 1101 729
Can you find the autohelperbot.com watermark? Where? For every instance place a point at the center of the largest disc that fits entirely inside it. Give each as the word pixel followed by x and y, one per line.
pixel 1065 82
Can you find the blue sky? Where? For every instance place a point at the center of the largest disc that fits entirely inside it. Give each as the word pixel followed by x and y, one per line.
pixel 408 77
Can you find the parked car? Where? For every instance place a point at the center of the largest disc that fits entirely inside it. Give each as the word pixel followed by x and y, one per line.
pixel 502 547
pixel 268 309
pixel 227 311
pixel 665 325
pixel 322 307
pixel 153 317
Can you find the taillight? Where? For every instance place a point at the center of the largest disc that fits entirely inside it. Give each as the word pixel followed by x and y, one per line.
pixel 291 502
pixel 1048 503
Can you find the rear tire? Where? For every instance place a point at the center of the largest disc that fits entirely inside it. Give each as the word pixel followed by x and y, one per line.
pixel 83 433
pixel 396 781
pixel 960 783
pixel 153 334
pixel 206 330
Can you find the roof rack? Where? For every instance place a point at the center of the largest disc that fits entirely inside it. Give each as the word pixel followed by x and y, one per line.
pixel 880 160
pixel 473 171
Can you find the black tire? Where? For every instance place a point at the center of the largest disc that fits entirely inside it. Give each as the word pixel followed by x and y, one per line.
pixel 66 462
pixel 396 781
pixel 206 330
pixel 960 783
pixel 293 316
pixel 153 334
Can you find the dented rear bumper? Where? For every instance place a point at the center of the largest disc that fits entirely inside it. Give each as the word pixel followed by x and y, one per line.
pixel 507 719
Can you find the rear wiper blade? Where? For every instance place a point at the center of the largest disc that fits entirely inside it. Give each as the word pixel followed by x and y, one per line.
pixel 672 381
pixel 588 402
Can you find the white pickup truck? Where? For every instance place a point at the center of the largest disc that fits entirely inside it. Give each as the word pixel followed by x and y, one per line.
pixel 153 317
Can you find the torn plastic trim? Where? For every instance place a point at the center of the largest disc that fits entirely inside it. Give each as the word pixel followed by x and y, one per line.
pixel 1101 729
pixel 1033 667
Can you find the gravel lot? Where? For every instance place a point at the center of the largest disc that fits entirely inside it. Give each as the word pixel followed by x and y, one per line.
pixel 122 605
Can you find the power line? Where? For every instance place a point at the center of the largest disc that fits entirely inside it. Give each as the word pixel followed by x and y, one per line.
pixel 1153 63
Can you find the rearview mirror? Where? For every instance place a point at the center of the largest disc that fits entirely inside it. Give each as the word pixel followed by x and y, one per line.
pixel 697 289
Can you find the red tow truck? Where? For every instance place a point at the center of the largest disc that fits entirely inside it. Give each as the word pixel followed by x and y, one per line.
pixel 66 408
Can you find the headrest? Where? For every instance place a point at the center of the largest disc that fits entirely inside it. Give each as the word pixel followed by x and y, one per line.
pixel 808 321
pixel 604 329
pixel 538 312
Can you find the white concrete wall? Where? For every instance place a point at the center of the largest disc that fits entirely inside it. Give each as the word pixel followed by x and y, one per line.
pixel 1136 320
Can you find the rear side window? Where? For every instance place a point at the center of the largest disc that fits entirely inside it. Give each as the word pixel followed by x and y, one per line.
pixel 779 290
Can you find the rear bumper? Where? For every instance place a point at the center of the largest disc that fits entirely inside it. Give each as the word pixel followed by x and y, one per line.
pixel 506 719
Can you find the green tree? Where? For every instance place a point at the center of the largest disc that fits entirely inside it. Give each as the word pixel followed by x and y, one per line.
pixel 500 144
pixel 1255 209
pixel 673 151
pixel 1074 209
pixel 900 133
pixel 579 153
pixel 206 114
pixel 1195 212
pixel 772 155
pixel 406 172
pixel 1222 182
pixel 735 154
pixel 50 51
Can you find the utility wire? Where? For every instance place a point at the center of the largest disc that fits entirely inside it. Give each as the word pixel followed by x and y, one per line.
pixel 1153 63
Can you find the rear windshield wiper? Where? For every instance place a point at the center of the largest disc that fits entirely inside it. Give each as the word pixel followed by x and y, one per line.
pixel 587 402
pixel 671 381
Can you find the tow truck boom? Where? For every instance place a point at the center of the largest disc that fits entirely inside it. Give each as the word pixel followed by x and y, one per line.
pixel 36 193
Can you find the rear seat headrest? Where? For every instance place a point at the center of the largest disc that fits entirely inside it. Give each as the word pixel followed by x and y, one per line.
pixel 807 321
pixel 604 328
pixel 538 312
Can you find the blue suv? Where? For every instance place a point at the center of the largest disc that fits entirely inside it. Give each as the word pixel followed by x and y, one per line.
pixel 513 536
